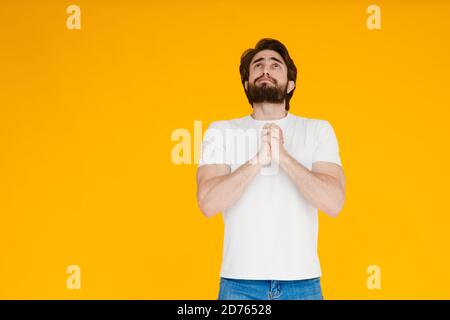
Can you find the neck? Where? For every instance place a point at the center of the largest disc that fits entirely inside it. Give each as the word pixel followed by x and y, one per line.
pixel 268 111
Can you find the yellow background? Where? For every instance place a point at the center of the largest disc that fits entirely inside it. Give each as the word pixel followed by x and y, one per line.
pixel 86 117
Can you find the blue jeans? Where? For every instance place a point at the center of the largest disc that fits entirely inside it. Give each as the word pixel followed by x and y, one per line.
pixel 239 289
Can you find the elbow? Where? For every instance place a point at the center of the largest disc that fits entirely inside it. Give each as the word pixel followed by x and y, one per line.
pixel 204 205
pixel 207 211
pixel 333 211
pixel 339 205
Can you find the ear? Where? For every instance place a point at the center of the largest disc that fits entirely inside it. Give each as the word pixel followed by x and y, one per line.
pixel 246 85
pixel 291 86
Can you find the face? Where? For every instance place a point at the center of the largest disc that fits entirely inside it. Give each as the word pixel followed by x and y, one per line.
pixel 267 80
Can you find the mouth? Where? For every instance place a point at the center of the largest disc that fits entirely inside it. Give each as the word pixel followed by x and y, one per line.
pixel 265 80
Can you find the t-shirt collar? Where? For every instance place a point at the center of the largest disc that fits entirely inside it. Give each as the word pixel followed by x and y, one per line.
pixel 260 123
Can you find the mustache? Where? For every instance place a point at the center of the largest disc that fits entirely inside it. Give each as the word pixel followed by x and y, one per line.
pixel 268 77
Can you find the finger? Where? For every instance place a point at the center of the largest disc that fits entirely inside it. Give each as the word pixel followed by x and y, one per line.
pixel 265 135
pixel 275 134
pixel 279 132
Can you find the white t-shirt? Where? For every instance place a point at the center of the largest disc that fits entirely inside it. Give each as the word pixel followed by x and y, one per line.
pixel 271 231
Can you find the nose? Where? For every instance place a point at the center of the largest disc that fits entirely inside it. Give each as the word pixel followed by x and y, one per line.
pixel 266 74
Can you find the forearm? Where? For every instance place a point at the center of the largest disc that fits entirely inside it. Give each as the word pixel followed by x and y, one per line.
pixel 322 190
pixel 224 191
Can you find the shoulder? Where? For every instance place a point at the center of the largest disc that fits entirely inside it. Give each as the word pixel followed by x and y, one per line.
pixel 314 128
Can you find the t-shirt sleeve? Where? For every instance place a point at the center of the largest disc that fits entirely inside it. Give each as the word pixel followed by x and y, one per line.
pixel 326 147
pixel 213 145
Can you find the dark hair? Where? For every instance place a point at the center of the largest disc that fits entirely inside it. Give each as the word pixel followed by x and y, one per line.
pixel 268 44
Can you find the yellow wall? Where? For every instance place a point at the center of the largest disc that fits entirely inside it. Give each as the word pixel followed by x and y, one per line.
pixel 86 118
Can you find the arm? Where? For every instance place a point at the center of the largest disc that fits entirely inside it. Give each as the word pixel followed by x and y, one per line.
pixel 323 186
pixel 218 189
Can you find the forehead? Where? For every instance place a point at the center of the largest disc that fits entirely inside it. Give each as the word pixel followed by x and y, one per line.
pixel 267 54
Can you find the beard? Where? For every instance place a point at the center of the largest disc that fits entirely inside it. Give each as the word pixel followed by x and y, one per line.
pixel 266 93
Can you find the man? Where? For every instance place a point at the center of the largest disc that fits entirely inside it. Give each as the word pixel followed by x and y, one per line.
pixel 270 198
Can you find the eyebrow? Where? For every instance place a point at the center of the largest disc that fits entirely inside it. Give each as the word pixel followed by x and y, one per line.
pixel 262 58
